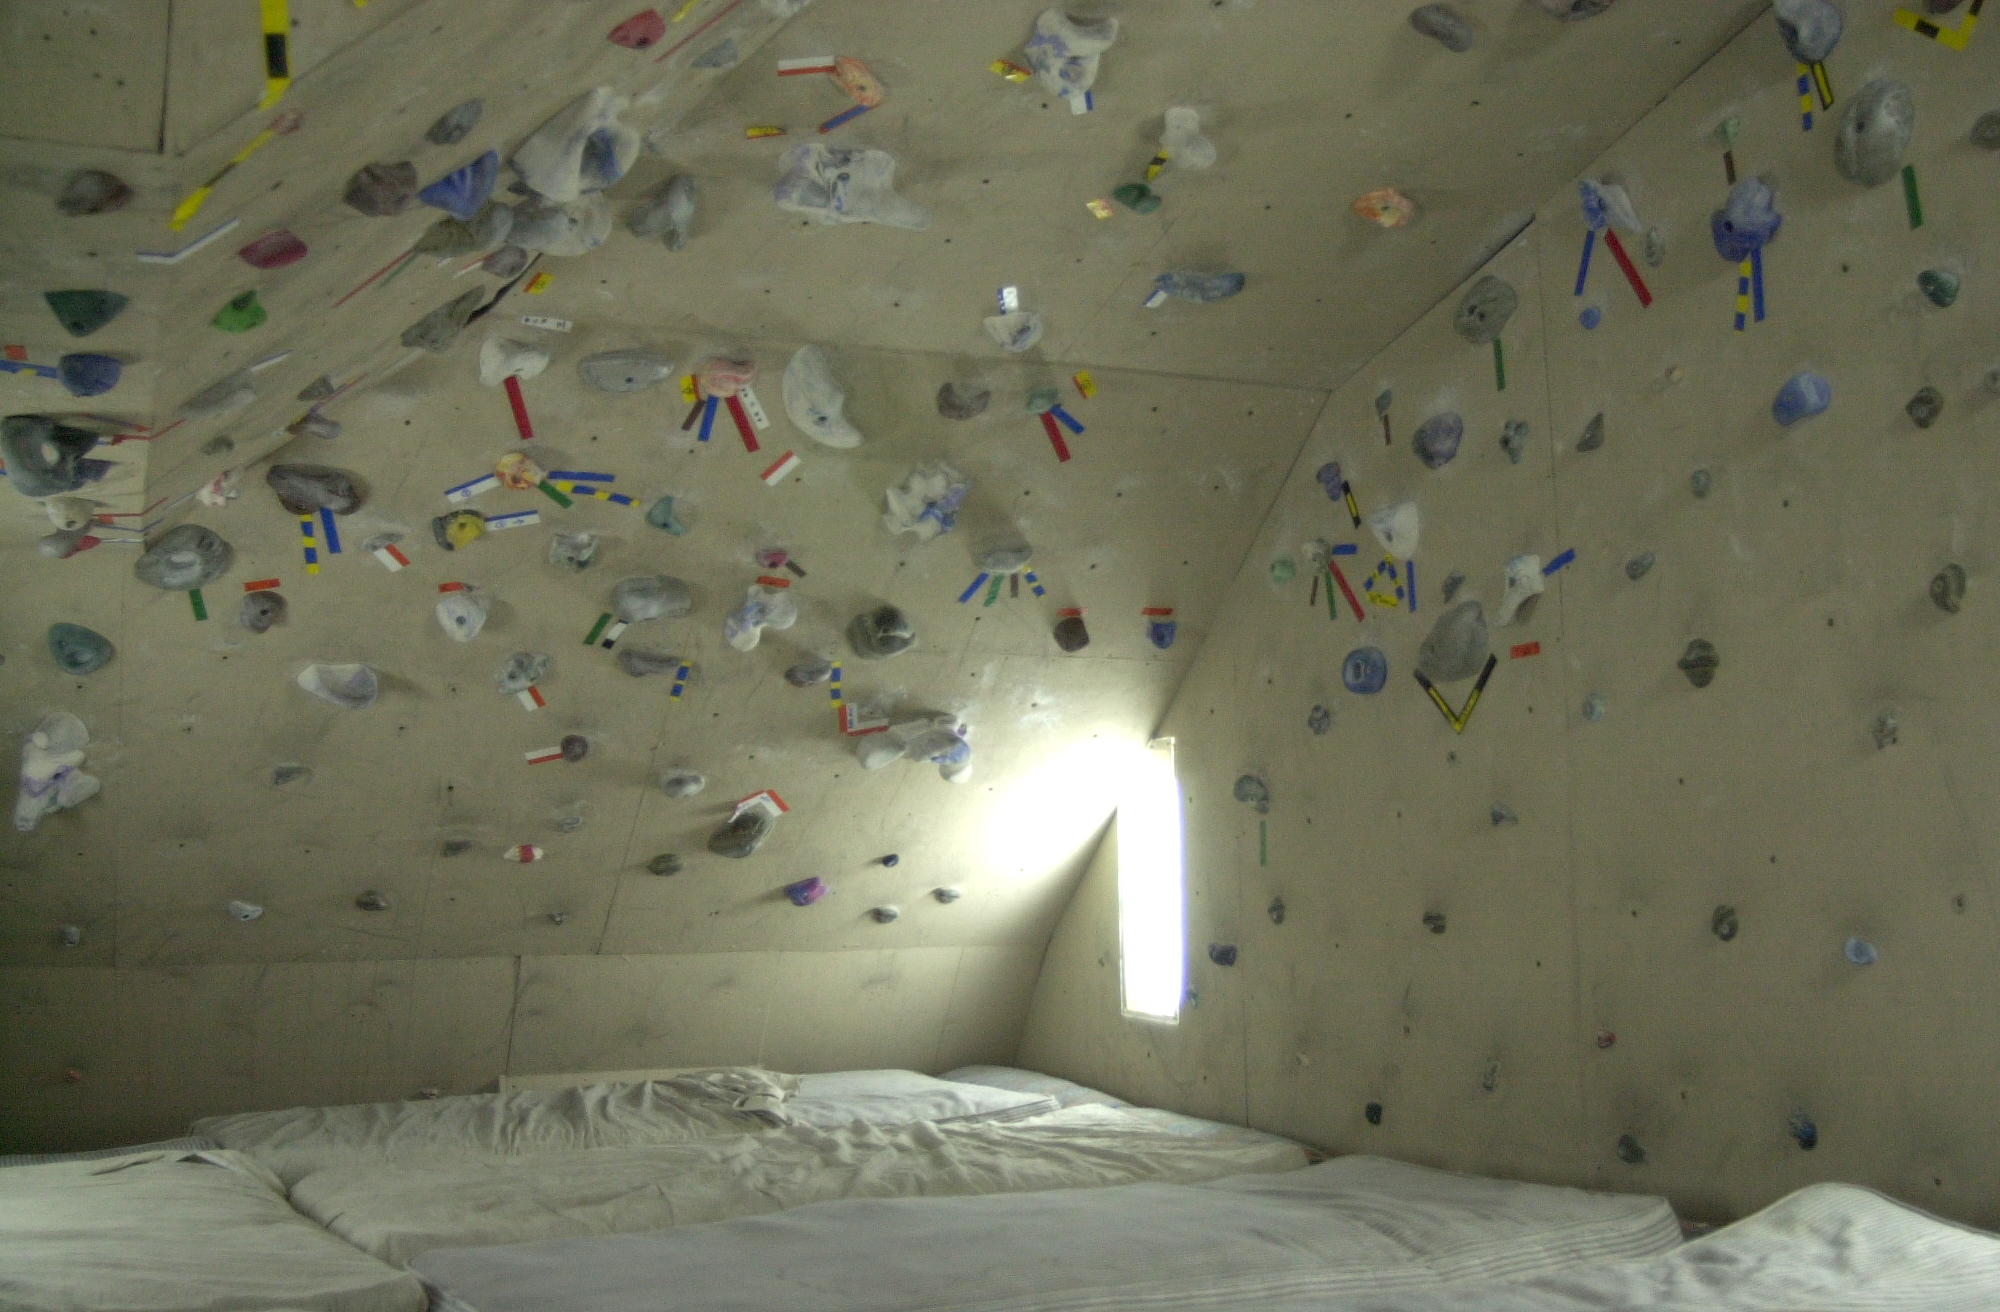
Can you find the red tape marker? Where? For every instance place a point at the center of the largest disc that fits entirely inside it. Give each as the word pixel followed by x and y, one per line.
pixel 742 419
pixel 1346 591
pixel 520 409
pixel 1625 263
pixel 1524 650
pixel 1055 437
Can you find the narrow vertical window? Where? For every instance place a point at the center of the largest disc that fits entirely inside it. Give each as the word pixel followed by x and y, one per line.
pixel 1152 958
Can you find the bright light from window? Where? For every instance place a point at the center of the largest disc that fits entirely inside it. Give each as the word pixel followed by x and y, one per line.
pixel 1152 958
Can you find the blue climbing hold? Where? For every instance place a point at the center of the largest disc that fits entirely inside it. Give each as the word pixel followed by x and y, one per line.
pixel 1591 317
pixel 1331 479
pixel 461 192
pixel 1748 223
pixel 84 374
pixel 1366 670
pixel 1803 396
pixel 1161 633
pixel 1804 1131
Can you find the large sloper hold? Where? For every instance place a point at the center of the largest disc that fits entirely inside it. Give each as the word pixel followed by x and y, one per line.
pixel 938 739
pixel 93 191
pixel 303 489
pixel 46 457
pixel 380 190
pixel 651 597
pixel 815 402
pixel 501 358
pixel 1444 25
pixel 584 148
pixel 743 834
pixel 437 330
pixel 1015 331
pixel 1457 646
pixel 845 185
pixel 52 778
pixel 83 310
pixel 668 214
pixel 1483 314
pixel 462 191
pixel 633 369
pixel 1192 285
pixel 572 228
pixel 880 633
pixel 187 556
pixel 352 687
pixel 1063 53
pixel 1525 583
pixel 1181 140
pixel 1875 132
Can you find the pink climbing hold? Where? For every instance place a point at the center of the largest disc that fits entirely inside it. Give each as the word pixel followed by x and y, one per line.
pixel 640 30
pixel 273 250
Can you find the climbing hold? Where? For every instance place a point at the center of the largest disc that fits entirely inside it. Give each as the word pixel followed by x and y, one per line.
pixel 273 250
pixel 314 424
pixel 243 911
pixel 1015 331
pixel 1699 662
pixel 962 400
pixel 661 516
pixel 507 262
pixel 1502 814
pixel 815 402
pixel 70 936
pixel 574 747
pixel 927 503
pixel 437 330
pixel 1803 396
pixel 1800 1125
pixel 303 489
pixel 1593 434
pixel 84 374
pixel 462 614
pixel 1948 589
pixel 1939 286
pixel 640 663
pixel 1810 29
pixel 880 633
pixel 82 311
pixel 1181 140
pixel 1886 729
pixel 78 650
pixel 1276 911
pixel 845 185
pixel 1875 132
pixel 1064 53
pixel 762 608
pixel 1457 646
pixel 241 314
pixel 1925 407
pixel 651 597
pixel 744 834
pixel 1445 25
pixel 501 359
pixel 1723 923
pixel 808 673
pixel 1249 788
pixel 1330 480
pixel 1008 557
pixel 1514 440
pixel 947 895
pixel 1656 248
pixel 521 670
pixel 380 190
pixel 1200 287
pixel 260 610
pixel 455 123
pixel 1161 633
pixel 350 686
pixel 1747 223
pixel 1606 1039
pixel 93 191
pixel 1483 314
pixel 1283 571
pixel 886 914
pixel 70 512
pixel 1569 11
pixel 633 369
pixel 1070 633
pixel 1452 583
pixel 1041 400
pixel 1373 1111
pixel 1629 1150
pixel 1137 197
pixel 1437 438
pixel 187 556
pixel 1386 206
pixel 1860 951
pixel 682 784
pixel 449 237
pixel 724 54
pixel 456 528
pixel 1434 921
pixel 1320 721
pixel 1701 483
pixel 1397 528
pixel 1986 130
pixel 1591 317
pixel 805 892
pixel 669 215
pixel 1638 567
pixel 1222 954
pixel 1525 582
pixel 372 901
pixel 63 545
pixel 1366 670
pixel 639 31
pixel 1594 707
pixel 573 550
pixel 461 192
pixel 666 863
pixel 583 148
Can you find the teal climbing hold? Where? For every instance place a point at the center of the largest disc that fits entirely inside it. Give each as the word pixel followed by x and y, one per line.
pixel 83 311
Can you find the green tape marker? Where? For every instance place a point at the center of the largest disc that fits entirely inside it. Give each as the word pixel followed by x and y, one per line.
pixel 597 629
pixel 1910 195
pixel 1332 612
pixel 194 600
pixel 555 494
pixel 1499 365
pixel 1263 843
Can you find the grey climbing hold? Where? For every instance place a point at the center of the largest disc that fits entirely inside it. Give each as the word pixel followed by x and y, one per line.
pixel 1222 954
pixel 219 397
pixel 886 914
pixel 815 402
pixel 437 330
pixel 456 123
pixel 1948 589
pixel 1986 131
pixel 1276 911
pixel 219 445
pixel 303 489
pixel 1594 707
pixel 243 911
pixel 668 215
pixel 1452 583
pixel 372 901
pixel 1373 1111
pixel 1514 440
pixel 507 262
pixel 639 663
pixel 448 237
pixel 582 149
pixel 1483 314
pixel 1656 248
pixel 1249 788
pixel 490 225
pixel 78 650
pixel 1437 439
pixel 1925 407
pixel 380 190
pixel 947 895
pixel 1593 434
pixel 661 515
pixel 46 457
pixel 319 389
pixel 1810 29
pixel 1723 923
pixel 1320 721
pixel 743 835
pixel 845 185
pixel 722 54
pixel 1860 951
pixel 880 633
pixel 1699 662
pixel 651 597
pixel 1570 11
pixel 71 936
pixel 573 550
pixel 666 863
pixel 1188 285
pixel 633 369
pixel 260 610
pixel 1502 814
pixel 1457 646
pixel 455 847
pixel 1070 633
pixel 574 747
pixel 1006 558
pixel 1639 566
pixel 1444 25
pixel 290 772
pixel 962 401
pixel 1875 132
pixel 314 424
pixel 1887 730
pixel 1939 286
pixel 1629 1150
pixel 682 783
pixel 353 687
pixel 521 671
pixel 93 191
pixel 188 556
pixel 1434 921
pixel 1701 483
pixel 807 673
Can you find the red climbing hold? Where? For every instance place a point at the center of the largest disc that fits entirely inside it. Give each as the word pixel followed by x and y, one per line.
pixel 273 250
pixel 640 30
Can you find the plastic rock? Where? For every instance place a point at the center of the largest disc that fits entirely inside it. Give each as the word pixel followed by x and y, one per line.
pixel 1925 407
pixel 351 686
pixel 1948 589
pixel 461 192
pixel 1939 286
pixel 1525 582
pixel 78 650
pixel 501 359
pixel 845 185
pixel 1514 440
pixel 1283 571
pixel 1014 331
pixel 63 545
pixel 1006 557
pixel 763 608
pixel 242 911
pixel 187 556
pixel 962 400
pixel 661 516
pixel 1457 646
pixel 574 747
pixel 1071 635
pixel 885 915
pixel 1161 633
pixel 456 123
pixel 70 512
pixel 1254 792
pixel 462 614
pixel 450 237
pixel 319 389
pixel 314 424
pixel 947 895
pixel 1444 25
pixel 1701 483
pixel 682 784
pixel 1397 528
pixel 372 901
pixel 1373 1112
pixel 1801 1126
pixel 457 528
pixel 722 376
pixel 807 674
pixel 1199 287
pixel 1593 434
pixel 651 597
pixel 1803 396
pixel 521 671
pixel 303 489
pixel 51 779
pixel 46 457
pixel 1320 721
pixel 273 250
pixel 85 374
pixel 1748 222
pixel 1386 206
pixel 1723 923
pixel 507 262
pixel 492 224
pixel 937 739
pixel 290 773
pixel 1860 951
pixel 640 663
pixel 219 397
pixel 815 402
pixel 1639 566
pixel 1365 671
pixel 1656 248
pixel 1483 314
pixel 93 191
pixel 573 550
pixel 927 503
pixel 806 891
pixel 1594 707
pixel 669 214
pixel 1886 730
pixel 240 315
pixel 1137 197
pixel 380 190
pixel 1452 583
pixel 1699 662
pixel 1435 922
pixel 1437 440
pixel 666 863
pixel 260 610
pixel 1222 954
pixel 1875 132
pixel 573 228
pixel 633 369
pixel 70 936
pixel 82 311
pixel 880 633
pixel 743 834
pixel 1986 131
pixel 1181 140
pixel 1630 1152
pixel 1063 53
pixel 584 148
pixel 437 330
pixel 1810 28
pixel 1502 814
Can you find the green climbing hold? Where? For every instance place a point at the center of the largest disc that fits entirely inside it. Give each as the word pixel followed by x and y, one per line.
pixel 1042 400
pixel 82 312
pixel 241 314
pixel 1940 287
pixel 1137 197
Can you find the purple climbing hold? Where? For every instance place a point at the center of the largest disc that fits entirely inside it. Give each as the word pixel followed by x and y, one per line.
pixel 273 250
pixel 1331 479
pixel 461 192
pixel 806 891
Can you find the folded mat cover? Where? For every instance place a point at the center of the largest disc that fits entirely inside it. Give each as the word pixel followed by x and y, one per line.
pixel 177 1232
pixel 1356 1223
pixel 398 1211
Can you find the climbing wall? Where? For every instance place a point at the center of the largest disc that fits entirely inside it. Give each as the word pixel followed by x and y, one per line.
pixel 1613 932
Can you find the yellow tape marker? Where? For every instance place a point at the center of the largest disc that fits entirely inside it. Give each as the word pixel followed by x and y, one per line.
pixel 538 284
pixel 1954 38
pixel 684 11
pixel 1008 69
pixel 1086 385
pixel 1153 169
pixel 285 123
pixel 690 390
pixel 764 130
pixel 277 50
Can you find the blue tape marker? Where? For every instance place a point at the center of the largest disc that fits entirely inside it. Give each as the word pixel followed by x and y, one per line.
pixel 1068 420
pixel 1583 270
pixel 1757 280
pixel 332 533
pixel 23 367
pixel 708 417
pixel 1410 577
pixel 977 584
pixel 1559 562
pixel 846 116
pixel 620 499
pixel 1033 582
pixel 1347 549
pixel 581 476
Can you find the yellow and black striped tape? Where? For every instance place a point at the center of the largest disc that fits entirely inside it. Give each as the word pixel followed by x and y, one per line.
pixel 277 50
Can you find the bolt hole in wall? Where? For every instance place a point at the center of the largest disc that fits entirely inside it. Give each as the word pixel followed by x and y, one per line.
pixel 1152 961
